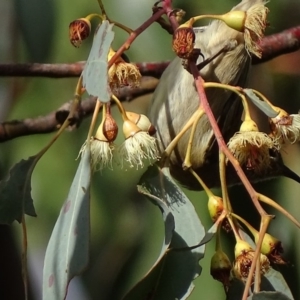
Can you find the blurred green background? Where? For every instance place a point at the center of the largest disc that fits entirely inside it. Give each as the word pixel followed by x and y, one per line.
pixel 126 230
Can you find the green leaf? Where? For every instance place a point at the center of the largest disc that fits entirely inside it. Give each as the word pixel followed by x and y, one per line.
pixel 15 192
pixel 94 74
pixel 67 253
pixel 171 277
pixel 262 105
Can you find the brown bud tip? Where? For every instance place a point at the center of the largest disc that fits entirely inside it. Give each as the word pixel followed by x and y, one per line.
pixel 79 30
pixel 183 41
pixel 110 128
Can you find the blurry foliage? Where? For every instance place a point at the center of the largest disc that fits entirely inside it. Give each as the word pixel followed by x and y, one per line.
pixel 126 230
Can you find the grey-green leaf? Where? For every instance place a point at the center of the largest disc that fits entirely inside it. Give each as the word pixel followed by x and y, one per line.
pixel 270 296
pixel 172 276
pixel 94 74
pixel 262 105
pixel 67 253
pixel 15 192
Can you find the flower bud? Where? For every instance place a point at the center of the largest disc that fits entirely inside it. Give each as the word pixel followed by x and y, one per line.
pixel 249 125
pixel 141 121
pixel 79 30
pixel 183 41
pixel 215 207
pixel 220 267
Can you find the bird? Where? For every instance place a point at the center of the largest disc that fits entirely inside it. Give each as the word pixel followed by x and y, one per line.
pixel 176 99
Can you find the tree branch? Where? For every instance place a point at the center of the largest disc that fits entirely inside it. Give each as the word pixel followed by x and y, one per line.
pixel 272 46
pixel 52 121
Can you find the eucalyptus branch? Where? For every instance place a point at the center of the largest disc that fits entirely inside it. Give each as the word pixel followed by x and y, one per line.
pixel 272 46
pixel 53 120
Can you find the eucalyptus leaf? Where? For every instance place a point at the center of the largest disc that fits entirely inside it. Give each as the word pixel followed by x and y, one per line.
pixel 15 192
pixel 67 253
pixel 270 296
pixel 171 277
pixel 262 105
pixel 94 74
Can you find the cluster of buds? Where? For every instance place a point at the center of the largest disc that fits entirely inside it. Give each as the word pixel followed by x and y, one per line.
pixel 138 145
pixel 121 73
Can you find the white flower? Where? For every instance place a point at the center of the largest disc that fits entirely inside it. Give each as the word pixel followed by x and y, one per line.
pixel 137 148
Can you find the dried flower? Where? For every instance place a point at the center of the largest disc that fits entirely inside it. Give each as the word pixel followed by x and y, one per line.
pixel 252 23
pixel 220 267
pixel 138 145
pixel 244 255
pixel 79 30
pixel 251 147
pixel 183 41
pixel 122 74
pixel 286 127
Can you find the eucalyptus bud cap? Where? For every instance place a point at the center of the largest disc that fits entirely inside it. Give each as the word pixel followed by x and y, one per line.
pixel 130 129
pixel 249 125
pixel 241 247
pixel 235 19
pixel 99 133
pixel 141 121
